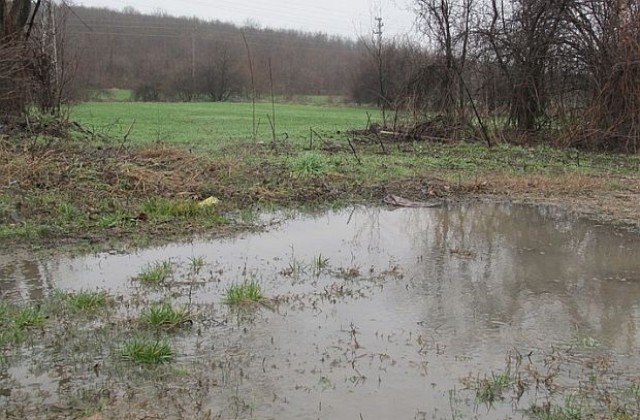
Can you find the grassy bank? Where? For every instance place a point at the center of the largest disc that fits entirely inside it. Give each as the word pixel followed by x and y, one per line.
pixel 93 188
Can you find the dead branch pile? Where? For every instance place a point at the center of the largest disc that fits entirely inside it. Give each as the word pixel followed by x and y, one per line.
pixel 438 129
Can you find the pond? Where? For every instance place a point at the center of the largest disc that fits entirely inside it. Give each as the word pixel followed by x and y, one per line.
pixel 470 310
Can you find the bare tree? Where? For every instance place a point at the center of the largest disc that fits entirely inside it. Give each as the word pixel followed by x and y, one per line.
pixel 605 40
pixel 447 24
pixel 220 77
pixel 523 36
pixel 14 18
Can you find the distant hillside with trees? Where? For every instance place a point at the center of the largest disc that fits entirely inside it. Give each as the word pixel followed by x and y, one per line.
pixel 162 57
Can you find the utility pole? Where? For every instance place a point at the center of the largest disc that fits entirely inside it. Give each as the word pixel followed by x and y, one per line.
pixel 50 49
pixel 54 44
pixel 193 61
pixel 383 98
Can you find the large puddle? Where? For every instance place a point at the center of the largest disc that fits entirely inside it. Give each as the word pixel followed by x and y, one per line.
pixel 375 314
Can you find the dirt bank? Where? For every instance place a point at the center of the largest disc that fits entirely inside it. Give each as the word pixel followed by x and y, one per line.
pixel 77 192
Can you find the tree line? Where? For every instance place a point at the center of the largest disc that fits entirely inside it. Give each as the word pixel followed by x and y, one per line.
pixel 167 58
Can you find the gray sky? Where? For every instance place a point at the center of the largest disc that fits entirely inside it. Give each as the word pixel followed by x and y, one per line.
pixel 349 18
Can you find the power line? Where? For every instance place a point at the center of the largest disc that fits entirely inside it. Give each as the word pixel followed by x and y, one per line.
pixel 256 42
pixel 282 14
pixel 298 15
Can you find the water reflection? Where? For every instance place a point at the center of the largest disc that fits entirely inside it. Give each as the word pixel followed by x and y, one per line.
pixel 537 270
pixel 477 279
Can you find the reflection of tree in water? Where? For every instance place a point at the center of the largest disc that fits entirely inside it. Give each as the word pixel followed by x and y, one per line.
pixel 534 268
pixel 25 279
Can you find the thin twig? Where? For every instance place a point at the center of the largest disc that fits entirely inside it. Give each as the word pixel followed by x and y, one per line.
pixel 353 150
pixel 126 135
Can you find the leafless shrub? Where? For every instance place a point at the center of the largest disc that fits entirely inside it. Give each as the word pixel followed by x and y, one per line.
pixel 607 39
pixel 13 78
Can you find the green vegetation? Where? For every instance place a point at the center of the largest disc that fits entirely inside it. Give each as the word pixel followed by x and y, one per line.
pixel 155 274
pixel 571 410
pixel 10 332
pixel 490 390
pixel 210 125
pixel 245 292
pixel 320 264
pixel 110 95
pixel 30 317
pixel 168 209
pixel 164 315
pixel 11 335
pixel 349 273
pixel 15 323
pixel 196 264
pixel 67 212
pixel 294 269
pixel 86 301
pixel 310 164
pixel 604 391
pixel 147 351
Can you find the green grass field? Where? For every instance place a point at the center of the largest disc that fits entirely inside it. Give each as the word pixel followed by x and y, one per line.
pixel 208 124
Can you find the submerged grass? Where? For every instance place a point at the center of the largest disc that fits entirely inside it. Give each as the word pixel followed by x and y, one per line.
pixel 570 410
pixel 320 263
pixel 563 384
pixel 155 274
pixel 87 301
pixel 164 315
pixel 491 389
pixel 11 335
pixel 16 322
pixel 245 292
pixel 30 317
pixel 196 264
pixel 147 351
pixel 10 331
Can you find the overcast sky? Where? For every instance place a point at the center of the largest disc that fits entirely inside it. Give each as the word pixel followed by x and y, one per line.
pixel 350 18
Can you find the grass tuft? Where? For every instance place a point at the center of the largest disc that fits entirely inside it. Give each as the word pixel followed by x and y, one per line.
pixel 68 212
pixel 11 335
pixel 196 264
pixel 30 317
pixel 490 390
pixel 87 302
pixel 14 322
pixel 571 410
pixel 164 315
pixel 147 351
pixel 248 291
pixel 320 263
pixel 5 311
pixel 156 273
pixel 310 164
pixel 163 208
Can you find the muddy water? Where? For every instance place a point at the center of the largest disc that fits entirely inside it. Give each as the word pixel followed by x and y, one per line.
pixel 407 302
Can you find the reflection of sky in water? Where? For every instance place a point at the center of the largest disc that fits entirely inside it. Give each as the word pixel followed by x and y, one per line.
pixel 478 280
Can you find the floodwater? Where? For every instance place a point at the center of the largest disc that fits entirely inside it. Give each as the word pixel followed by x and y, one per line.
pixel 374 313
